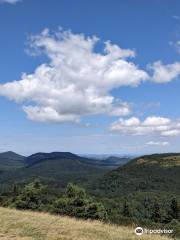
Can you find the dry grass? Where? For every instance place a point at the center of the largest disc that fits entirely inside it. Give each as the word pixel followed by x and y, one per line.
pixel 23 225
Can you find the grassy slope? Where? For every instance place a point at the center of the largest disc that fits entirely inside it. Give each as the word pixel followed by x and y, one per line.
pixel 18 225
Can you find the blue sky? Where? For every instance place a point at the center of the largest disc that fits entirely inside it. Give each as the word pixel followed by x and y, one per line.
pixel 61 89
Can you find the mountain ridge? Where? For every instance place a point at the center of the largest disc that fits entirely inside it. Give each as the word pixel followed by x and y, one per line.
pixel 154 173
pixel 10 160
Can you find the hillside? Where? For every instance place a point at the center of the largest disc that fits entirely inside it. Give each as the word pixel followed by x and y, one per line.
pixel 55 169
pixel 134 190
pixel 10 160
pixel 21 225
pixel 40 157
pixel 151 173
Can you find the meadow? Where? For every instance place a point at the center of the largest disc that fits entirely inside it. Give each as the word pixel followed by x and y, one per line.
pixel 27 225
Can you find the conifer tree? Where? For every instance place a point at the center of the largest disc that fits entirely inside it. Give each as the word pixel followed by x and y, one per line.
pixel 156 213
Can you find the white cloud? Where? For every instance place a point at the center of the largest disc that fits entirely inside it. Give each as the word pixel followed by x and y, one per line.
pixel 154 143
pixel 164 73
pixel 117 51
pixel 10 1
pixel 150 126
pixel 121 109
pixel 77 81
pixel 171 132
pixel 156 121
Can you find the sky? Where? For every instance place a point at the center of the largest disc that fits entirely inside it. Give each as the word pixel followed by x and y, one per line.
pixel 90 77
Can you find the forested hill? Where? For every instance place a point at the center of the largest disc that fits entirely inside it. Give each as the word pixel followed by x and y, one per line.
pixel 154 173
pixel 11 160
pixel 55 168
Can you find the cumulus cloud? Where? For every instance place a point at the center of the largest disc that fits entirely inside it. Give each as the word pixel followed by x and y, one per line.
pixel 164 73
pixel 151 125
pixel 10 1
pixel 76 81
pixel 155 143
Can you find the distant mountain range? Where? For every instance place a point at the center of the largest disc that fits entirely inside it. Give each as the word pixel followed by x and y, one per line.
pixel 9 160
pixel 110 162
pixel 57 168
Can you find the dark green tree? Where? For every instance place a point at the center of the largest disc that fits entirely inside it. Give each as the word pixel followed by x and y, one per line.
pixel 126 212
pixel 76 203
pixel 15 190
pixel 32 196
pixel 74 191
pixel 156 213
pixel 173 213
